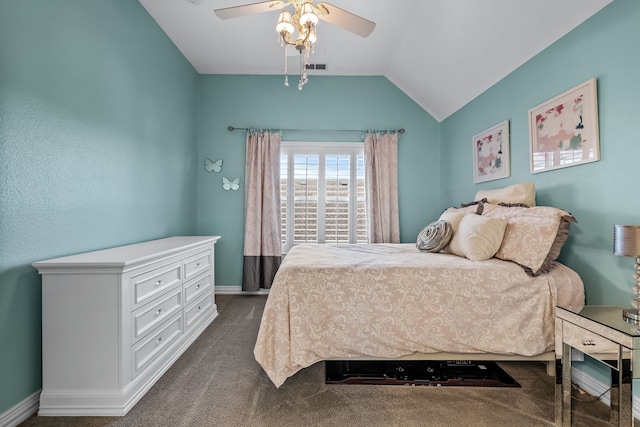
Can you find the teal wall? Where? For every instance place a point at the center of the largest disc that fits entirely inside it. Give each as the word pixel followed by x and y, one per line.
pixel 324 103
pixel 98 132
pixel 598 194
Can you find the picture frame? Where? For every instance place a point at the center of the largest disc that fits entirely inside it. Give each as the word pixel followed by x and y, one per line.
pixel 563 131
pixel 491 153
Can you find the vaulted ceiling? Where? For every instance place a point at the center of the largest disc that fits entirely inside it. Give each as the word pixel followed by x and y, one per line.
pixel 441 53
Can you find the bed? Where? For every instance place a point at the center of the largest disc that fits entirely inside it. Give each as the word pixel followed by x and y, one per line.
pixel 395 301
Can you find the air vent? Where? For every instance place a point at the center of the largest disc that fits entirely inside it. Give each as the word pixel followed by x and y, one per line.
pixel 316 66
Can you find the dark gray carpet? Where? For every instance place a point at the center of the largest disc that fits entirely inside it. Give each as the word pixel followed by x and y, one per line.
pixel 217 382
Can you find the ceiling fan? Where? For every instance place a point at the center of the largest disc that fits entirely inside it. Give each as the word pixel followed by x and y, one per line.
pixel 299 29
pixel 325 11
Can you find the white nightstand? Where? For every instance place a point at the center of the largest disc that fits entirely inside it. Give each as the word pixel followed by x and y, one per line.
pixel 602 333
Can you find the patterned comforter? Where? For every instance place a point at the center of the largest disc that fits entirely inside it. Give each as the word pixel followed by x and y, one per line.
pixel 391 300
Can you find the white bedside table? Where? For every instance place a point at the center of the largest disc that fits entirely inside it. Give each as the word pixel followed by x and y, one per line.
pixel 602 333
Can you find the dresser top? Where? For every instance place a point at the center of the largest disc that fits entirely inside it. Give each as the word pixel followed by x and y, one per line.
pixel 123 256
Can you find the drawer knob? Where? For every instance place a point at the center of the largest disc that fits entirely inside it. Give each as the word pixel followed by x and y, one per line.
pixel 588 343
pixel 159 282
pixel 160 311
pixel 159 341
pixel 197 265
pixel 198 286
pixel 198 307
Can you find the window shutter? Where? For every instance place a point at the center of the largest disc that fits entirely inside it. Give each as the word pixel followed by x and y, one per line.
pixel 305 196
pixel 323 194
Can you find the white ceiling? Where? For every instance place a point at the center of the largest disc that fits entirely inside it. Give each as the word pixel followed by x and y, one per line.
pixel 441 53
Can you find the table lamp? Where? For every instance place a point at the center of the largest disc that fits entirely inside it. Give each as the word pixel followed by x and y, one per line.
pixel 626 242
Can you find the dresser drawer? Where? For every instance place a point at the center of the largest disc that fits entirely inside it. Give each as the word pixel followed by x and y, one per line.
pixel 196 287
pixel 197 264
pixel 150 347
pixel 151 315
pixel 155 282
pixel 198 309
pixel 586 341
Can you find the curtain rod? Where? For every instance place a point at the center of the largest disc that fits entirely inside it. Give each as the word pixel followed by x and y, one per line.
pixel 401 130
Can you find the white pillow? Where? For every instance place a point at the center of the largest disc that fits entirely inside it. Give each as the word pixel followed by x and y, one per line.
pixel 478 238
pixel 524 192
pixel 453 218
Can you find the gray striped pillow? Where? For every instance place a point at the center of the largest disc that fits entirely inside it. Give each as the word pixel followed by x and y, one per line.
pixel 435 236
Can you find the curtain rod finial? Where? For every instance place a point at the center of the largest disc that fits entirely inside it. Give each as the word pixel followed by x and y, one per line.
pixel 230 128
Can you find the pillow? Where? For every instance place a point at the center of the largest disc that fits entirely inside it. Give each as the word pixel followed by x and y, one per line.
pixel 534 236
pixel 453 217
pixel 478 203
pixel 518 193
pixel 478 237
pixel 473 207
pixel 435 236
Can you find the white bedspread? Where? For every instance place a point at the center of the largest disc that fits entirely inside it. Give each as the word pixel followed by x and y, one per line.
pixel 390 300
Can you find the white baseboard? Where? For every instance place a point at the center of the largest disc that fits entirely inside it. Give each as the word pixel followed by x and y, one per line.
pixel 21 411
pixel 237 290
pixel 596 388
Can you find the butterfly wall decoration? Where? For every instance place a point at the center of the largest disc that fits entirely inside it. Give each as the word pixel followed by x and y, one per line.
pixel 211 166
pixel 231 185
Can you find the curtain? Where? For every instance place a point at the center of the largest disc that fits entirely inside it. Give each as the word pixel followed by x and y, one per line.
pixel 381 177
pixel 262 241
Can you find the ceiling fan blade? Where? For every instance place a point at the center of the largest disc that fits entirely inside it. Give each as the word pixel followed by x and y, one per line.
pixel 249 9
pixel 343 19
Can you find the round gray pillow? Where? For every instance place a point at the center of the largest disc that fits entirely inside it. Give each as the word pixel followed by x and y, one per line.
pixel 435 236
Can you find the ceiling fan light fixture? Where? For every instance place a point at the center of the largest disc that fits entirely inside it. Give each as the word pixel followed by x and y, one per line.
pixel 284 26
pixel 312 35
pixel 305 23
pixel 307 15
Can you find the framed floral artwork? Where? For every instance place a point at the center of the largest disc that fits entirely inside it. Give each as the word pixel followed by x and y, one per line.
pixel 564 130
pixel 491 153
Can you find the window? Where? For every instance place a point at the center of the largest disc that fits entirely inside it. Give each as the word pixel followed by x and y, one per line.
pixel 322 193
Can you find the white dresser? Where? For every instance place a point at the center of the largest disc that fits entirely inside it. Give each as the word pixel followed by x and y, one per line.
pixel 113 321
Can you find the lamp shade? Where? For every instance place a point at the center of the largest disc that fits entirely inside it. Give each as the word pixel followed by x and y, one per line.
pixel 307 15
pixel 626 240
pixel 284 24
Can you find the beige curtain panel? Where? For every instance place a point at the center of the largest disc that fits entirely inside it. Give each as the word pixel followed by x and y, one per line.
pixel 262 245
pixel 381 176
